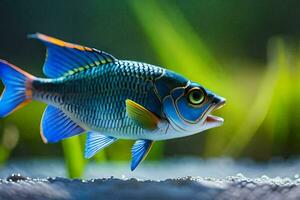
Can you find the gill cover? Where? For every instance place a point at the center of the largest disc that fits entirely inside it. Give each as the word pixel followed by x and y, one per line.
pixel 181 112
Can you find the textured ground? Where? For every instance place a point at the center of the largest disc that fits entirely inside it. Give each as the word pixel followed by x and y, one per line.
pixel 155 180
pixel 237 187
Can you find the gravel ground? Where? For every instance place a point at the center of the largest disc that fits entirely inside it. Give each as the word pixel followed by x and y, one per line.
pixel 235 187
pixel 198 179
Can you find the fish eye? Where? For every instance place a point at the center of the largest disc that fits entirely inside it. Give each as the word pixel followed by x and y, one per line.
pixel 196 96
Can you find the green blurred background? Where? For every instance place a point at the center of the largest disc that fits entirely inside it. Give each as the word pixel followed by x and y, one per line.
pixel 247 51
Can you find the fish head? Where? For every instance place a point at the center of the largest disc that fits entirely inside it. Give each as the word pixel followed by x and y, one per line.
pixel 188 109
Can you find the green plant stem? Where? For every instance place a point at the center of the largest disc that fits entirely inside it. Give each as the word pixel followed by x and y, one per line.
pixel 74 159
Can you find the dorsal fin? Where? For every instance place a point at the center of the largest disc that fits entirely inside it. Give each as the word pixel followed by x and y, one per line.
pixel 65 59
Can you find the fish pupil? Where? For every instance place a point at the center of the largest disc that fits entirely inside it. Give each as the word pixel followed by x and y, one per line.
pixel 196 96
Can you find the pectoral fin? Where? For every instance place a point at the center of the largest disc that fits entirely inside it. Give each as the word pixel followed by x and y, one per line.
pixel 141 116
pixel 139 151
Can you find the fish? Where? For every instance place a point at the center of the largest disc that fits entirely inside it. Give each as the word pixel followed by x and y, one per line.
pixel 90 91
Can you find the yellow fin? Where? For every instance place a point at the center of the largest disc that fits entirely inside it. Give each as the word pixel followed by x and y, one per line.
pixel 141 116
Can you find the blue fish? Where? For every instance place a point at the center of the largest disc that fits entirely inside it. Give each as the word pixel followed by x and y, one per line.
pixel 88 90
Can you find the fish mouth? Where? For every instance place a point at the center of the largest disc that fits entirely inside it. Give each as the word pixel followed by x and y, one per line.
pixel 215 120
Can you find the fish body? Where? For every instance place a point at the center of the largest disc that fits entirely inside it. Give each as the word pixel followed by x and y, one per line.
pixel 90 90
pixel 95 98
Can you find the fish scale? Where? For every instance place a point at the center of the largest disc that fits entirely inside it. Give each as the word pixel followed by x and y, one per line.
pixel 97 95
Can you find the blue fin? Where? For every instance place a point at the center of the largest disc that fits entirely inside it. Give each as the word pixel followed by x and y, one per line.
pixel 139 152
pixel 65 59
pixel 95 142
pixel 56 125
pixel 17 92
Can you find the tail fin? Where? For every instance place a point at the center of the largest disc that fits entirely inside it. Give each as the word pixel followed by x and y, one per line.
pixel 17 91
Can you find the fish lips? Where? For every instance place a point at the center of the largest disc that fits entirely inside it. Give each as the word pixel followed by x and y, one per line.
pixel 212 121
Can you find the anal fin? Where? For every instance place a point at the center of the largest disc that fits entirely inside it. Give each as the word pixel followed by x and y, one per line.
pixel 95 142
pixel 139 151
pixel 56 125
